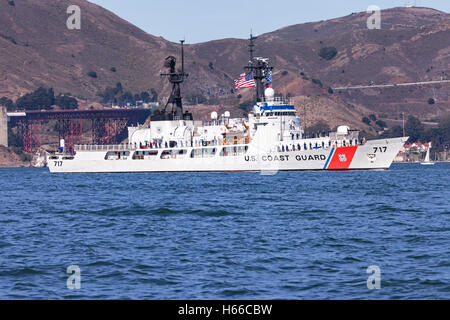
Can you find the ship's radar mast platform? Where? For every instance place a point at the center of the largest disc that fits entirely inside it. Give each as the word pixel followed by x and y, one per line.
pixel 176 78
pixel 260 69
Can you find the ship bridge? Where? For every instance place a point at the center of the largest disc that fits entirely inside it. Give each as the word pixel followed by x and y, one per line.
pixel 277 106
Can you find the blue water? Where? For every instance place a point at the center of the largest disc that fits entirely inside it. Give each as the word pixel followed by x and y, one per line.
pixel 294 235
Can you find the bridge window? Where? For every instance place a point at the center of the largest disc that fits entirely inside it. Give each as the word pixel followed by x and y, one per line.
pixel 172 154
pixel 141 155
pixel 203 153
pixel 233 151
pixel 117 155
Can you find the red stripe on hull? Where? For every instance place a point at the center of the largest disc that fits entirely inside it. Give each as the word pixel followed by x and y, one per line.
pixel 342 158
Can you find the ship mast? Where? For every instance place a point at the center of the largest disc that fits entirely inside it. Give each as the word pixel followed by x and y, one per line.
pixel 176 77
pixel 260 69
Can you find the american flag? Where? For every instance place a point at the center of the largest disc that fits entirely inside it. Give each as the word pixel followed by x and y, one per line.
pixel 245 81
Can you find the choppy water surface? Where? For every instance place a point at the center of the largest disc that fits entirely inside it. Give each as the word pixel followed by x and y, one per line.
pixel 294 235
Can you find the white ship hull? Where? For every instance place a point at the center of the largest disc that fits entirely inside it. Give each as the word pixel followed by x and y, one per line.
pixel 374 154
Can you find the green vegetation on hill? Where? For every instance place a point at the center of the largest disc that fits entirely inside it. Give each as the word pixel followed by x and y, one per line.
pixel 440 136
pixel 119 96
pixel 196 98
pixel 328 53
pixel 8 103
pixel 381 123
pixel 317 81
pixel 246 106
pixel 41 99
pixel 9 38
pixel 66 102
pixel 13 139
pixel 366 121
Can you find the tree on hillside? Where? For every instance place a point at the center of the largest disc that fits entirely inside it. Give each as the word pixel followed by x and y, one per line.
pixel 122 97
pixel 381 124
pixel 414 129
pixel 444 127
pixel 154 94
pixel 328 53
pixel 40 99
pixel 108 95
pixel 118 88
pixel 8 103
pixel 66 102
pixel 317 81
pixel 440 136
pixel 145 97
pixel 246 106
pixel 13 139
pixel 435 136
pixel 394 132
pixel 126 98
pixel 196 98
pixel 366 120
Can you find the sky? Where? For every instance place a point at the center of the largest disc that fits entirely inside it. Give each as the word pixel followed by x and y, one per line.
pixel 205 20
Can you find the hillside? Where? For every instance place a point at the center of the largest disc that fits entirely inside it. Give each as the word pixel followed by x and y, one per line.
pixel 10 159
pixel 37 49
pixel 413 44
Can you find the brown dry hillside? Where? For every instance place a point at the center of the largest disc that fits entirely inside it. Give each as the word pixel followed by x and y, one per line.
pixel 36 49
pixel 412 45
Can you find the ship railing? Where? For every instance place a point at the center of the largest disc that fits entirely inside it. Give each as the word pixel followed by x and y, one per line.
pixel 218 122
pixel 352 134
pixel 278 100
pixel 106 147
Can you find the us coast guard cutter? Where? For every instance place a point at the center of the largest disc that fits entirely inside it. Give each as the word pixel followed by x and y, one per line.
pixel 270 139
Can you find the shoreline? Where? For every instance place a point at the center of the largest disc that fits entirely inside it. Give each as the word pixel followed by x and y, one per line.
pixel 418 162
pixel 15 166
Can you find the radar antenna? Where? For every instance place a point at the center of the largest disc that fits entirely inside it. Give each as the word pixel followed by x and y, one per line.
pixel 260 69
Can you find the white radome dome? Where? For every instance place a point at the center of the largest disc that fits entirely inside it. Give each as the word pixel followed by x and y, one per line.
pixel 226 114
pixel 343 130
pixel 269 93
pixel 214 115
